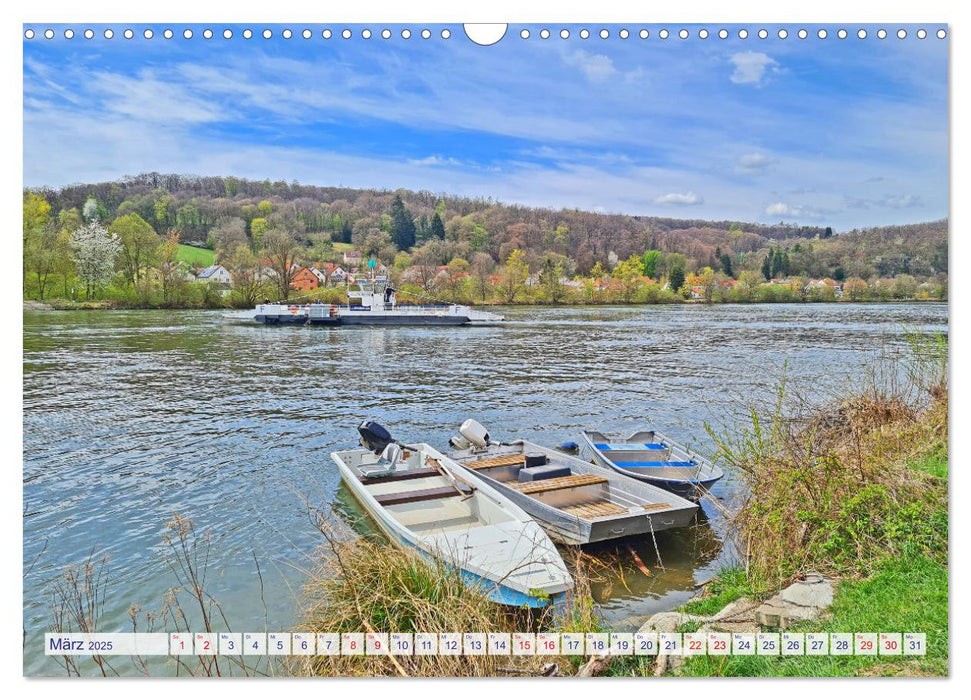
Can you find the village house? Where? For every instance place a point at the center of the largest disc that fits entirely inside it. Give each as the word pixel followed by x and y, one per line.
pixel 304 280
pixel 337 276
pixel 353 257
pixel 321 276
pixel 217 275
pixel 827 282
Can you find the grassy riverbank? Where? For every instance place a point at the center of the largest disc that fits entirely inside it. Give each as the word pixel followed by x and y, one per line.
pixel 857 491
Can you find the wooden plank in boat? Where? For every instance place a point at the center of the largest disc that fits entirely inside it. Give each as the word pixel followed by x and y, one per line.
pixel 393 499
pixel 562 482
pixel 656 506
pixel 504 461
pixel 405 475
pixel 596 509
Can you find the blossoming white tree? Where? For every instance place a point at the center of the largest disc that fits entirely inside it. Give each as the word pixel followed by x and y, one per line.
pixel 95 250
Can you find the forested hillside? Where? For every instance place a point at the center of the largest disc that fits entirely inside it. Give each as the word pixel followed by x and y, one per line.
pixel 405 229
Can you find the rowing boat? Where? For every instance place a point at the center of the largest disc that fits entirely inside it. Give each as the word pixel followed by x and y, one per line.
pixel 421 500
pixel 653 458
pixel 576 502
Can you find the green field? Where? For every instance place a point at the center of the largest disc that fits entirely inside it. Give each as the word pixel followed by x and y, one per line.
pixel 196 257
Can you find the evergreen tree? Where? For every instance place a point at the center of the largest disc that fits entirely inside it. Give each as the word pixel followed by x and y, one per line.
pixel 676 276
pixel 828 232
pixel 767 266
pixel 779 265
pixel 726 262
pixel 422 229
pixel 437 228
pixel 402 225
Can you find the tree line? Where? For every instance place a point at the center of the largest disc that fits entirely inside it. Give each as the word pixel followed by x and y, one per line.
pixel 271 226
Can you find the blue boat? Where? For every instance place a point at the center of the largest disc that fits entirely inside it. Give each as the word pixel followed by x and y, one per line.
pixel 649 456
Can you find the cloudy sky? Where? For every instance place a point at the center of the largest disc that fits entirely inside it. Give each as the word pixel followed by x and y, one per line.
pixel 840 132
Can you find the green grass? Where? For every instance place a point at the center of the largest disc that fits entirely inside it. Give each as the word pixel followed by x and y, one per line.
pixel 906 594
pixel 934 464
pixel 196 257
pixel 730 585
pixel 343 247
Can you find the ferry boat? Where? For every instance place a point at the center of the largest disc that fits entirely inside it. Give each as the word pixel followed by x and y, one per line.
pixel 377 305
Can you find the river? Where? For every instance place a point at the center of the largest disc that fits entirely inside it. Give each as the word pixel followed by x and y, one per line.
pixel 131 417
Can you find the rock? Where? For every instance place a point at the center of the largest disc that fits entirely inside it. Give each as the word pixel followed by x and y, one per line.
pixel 805 599
pixel 741 609
pixel 814 591
pixel 594 667
pixel 675 663
pixel 668 621
pixel 31 305
pixel 737 616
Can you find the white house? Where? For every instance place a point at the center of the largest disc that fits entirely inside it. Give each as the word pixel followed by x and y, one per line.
pixel 215 274
pixel 338 276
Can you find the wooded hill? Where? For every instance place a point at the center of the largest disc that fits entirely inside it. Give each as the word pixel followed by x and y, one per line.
pixel 221 211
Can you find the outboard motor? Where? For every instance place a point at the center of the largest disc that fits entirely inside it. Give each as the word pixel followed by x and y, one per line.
pixel 374 436
pixel 459 442
pixel 474 432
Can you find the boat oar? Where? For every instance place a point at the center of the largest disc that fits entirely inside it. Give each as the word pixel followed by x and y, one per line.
pixel 451 478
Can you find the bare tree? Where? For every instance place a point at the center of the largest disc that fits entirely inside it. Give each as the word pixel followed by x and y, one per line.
pixel 283 252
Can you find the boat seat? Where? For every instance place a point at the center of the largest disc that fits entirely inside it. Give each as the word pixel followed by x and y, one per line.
pixel 635 465
pixel 504 461
pixel 393 499
pixel 563 482
pixel 629 447
pixel 405 475
pixel 595 509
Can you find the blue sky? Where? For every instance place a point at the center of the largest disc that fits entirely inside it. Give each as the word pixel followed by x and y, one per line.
pixel 841 132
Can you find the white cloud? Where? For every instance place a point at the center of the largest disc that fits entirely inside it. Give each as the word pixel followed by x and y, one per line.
pixel 150 99
pixel 902 201
pixel 752 164
pixel 751 67
pixel 778 209
pixel 597 67
pixel 680 199
pixel 434 160
pixel 890 201
pixel 795 211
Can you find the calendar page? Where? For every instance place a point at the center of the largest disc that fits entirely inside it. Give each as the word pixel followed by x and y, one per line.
pixel 537 349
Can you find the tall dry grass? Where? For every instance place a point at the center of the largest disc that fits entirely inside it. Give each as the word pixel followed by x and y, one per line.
pixel 367 585
pixel 832 486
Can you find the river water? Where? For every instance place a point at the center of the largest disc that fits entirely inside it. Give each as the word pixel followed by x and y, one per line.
pixel 132 417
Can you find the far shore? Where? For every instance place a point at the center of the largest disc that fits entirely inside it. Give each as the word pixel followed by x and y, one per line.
pixel 31 305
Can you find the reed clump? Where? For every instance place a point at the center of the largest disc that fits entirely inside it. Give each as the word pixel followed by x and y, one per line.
pixel 362 584
pixel 841 487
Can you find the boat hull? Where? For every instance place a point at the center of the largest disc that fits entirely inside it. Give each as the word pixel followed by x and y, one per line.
pixel 685 489
pixel 567 529
pixel 446 547
pixel 375 319
pixel 692 488
pixel 281 319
